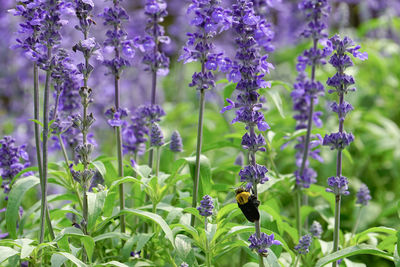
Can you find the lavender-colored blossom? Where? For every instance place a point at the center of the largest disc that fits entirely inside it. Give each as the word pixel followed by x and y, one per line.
pixel 239 161
pixel 341 109
pixel 209 18
pixel 176 142
pixel 338 140
pixel 304 244
pixel 136 254
pixel 206 206
pixel 262 244
pixel 307 90
pixel 338 185
pixel 363 195
pixel 316 229
pixel 117 39
pixel 115 117
pixel 13 159
pixel 149 44
pixel 156 136
pixel 3 235
pixel 184 264
pixel 253 175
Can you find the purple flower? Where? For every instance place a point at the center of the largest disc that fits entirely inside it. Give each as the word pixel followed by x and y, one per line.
pixel 316 229
pixel 341 109
pixel 338 185
pixel 136 254
pixel 304 244
pixel 253 142
pixel 117 39
pixel 156 136
pixel 338 140
pixel 151 43
pixel 262 244
pixel 363 195
pixel 209 18
pixel 253 175
pixel 206 206
pixel 184 264
pixel 115 117
pixel 176 142
pixel 307 178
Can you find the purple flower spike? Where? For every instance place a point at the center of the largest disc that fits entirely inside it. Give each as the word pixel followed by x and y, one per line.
pixel 304 244
pixel 339 140
pixel 206 206
pixel 254 174
pixel 316 229
pixel 338 185
pixel 156 136
pixel 115 117
pixel 262 244
pixel 363 195
pixel 176 142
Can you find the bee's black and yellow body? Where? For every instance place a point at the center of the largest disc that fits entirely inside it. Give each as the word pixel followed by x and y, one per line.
pixel 248 203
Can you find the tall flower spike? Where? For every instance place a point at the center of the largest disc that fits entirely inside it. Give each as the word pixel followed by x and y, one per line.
pixel 156 136
pixel 363 195
pixel 304 244
pixel 341 83
pixel 248 71
pixel 206 206
pixel 176 142
pixel 316 229
pixel 307 90
pixel 209 19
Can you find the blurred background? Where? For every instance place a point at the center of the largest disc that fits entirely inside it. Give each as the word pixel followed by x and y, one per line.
pixel 373 159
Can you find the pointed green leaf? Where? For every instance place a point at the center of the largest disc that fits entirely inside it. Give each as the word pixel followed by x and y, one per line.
pixel 6 252
pixel 15 197
pixel 95 207
pixel 72 258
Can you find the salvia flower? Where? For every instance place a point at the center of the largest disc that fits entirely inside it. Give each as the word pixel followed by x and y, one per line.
pixel 262 244
pixel 338 185
pixel 206 206
pixel 363 195
pixel 149 44
pixel 136 254
pixel 184 264
pixel 307 89
pixel 117 39
pixel 115 117
pixel 253 175
pixel 316 229
pixel 304 244
pixel 176 142
pixel 156 136
pixel 209 18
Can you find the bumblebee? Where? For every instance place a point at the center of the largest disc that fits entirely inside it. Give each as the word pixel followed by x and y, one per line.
pixel 248 203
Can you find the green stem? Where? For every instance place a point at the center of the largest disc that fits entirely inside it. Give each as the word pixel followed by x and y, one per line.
pixel 353 232
pixel 337 227
pixel 198 152
pixel 298 209
pixel 43 207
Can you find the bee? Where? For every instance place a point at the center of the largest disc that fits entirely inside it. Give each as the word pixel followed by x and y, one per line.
pixel 248 203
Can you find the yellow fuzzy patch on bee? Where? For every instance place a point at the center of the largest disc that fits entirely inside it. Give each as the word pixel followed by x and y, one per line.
pixel 243 197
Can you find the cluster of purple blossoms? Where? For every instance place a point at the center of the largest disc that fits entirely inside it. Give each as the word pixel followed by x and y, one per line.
pixel 176 142
pixel 253 175
pixel 363 195
pixel 156 136
pixel 206 206
pixel 135 134
pixel 248 70
pixel 115 117
pixel 210 19
pixel 13 159
pixel 307 90
pixel 149 44
pixel 117 39
pixel 304 244
pixel 262 244
pixel 341 82
pixel 316 229
pixel 338 185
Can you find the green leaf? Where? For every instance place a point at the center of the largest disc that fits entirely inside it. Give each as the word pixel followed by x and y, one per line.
pixel 87 241
pixel 380 229
pixel 111 235
pixel 228 90
pixel 100 167
pixel 37 122
pixel 6 252
pixel 155 218
pixel 113 263
pixel 205 183
pixel 141 240
pixel 276 98
pixel 95 207
pixel 285 85
pixel 26 248
pixel 271 260
pixel 351 251
pixel 70 257
pixel 17 192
